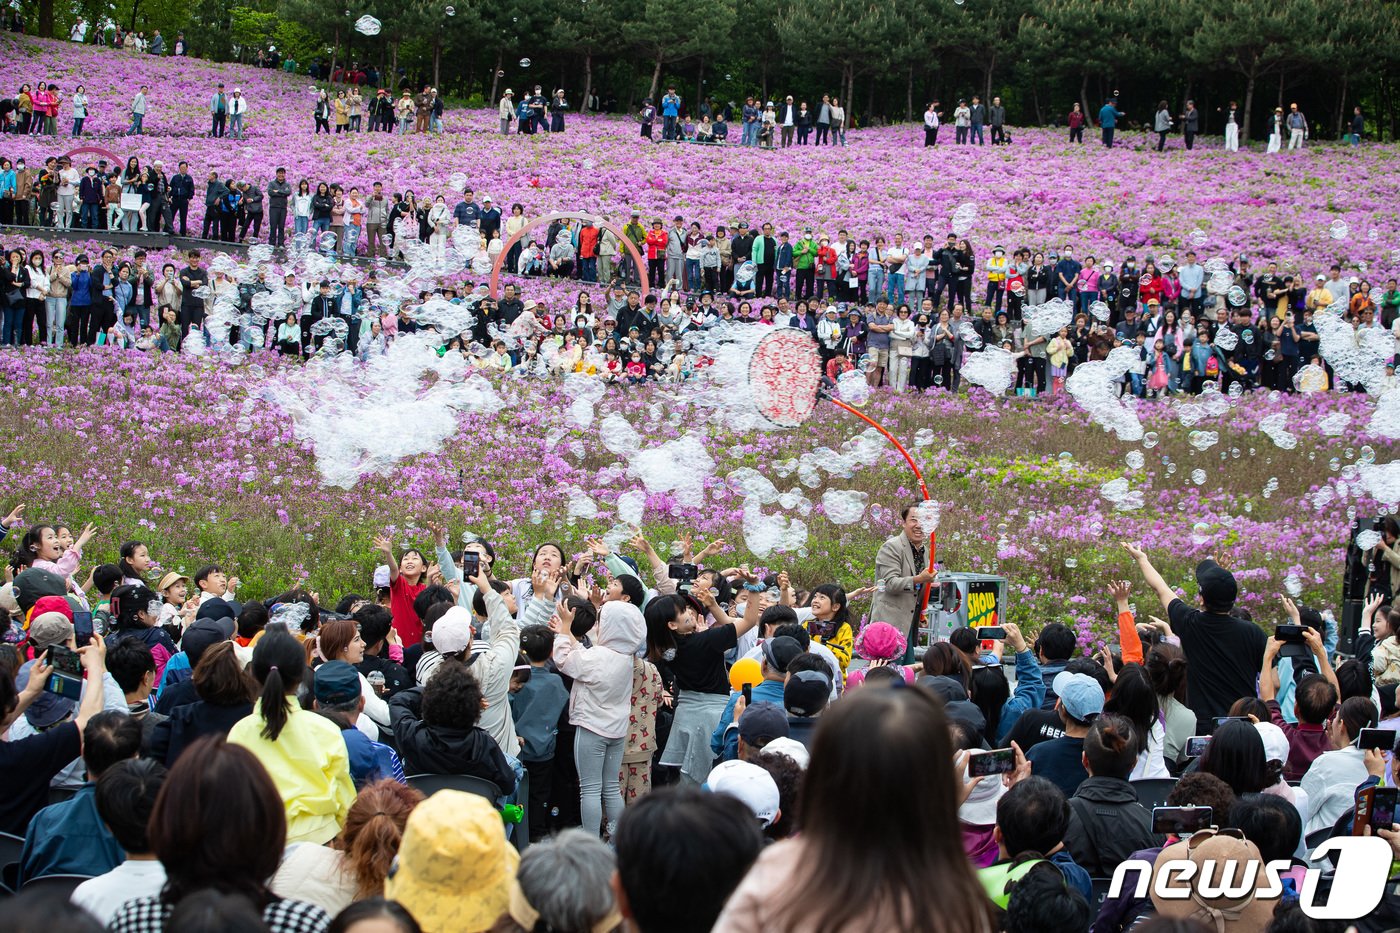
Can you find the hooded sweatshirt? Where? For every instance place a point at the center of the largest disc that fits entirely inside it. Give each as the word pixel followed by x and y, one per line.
pixel 601 700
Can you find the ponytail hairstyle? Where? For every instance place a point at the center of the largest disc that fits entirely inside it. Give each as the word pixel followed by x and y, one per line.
pixel 373 830
pixel 1166 668
pixel 278 664
pixel 28 550
pixel 127 551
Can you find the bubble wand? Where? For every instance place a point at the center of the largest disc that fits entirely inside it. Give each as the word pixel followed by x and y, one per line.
pixel 785 375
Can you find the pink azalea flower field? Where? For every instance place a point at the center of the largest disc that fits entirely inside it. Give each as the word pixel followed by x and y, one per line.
pixel 188 455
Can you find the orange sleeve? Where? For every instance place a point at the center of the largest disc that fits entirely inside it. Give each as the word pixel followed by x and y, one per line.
pixel 1128 641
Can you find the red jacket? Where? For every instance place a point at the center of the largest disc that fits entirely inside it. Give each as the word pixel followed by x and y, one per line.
pixel 1150 288
pixel 826 262
pixel 588 243
pixel 656 244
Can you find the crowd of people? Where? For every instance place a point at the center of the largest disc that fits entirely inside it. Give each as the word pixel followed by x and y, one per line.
pixel 675 745
pixel 908 313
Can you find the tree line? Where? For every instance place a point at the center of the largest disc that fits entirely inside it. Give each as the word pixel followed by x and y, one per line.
pixel 885 61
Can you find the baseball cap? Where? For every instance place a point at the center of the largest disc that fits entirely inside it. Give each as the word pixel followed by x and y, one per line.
pixel 780 651
pixel 945 688
pixel 49 629
pixel 200 637
pixel 1321 277
pixel 763 722
pixel 1275 742
pixel 46 604
pixel 1216 584
pixel 806 693
pixel 791 748
pixel 749 784
pixel 453 632
pixel 337 682
pixel 1080 694
pixel 33 583
pixel 454 869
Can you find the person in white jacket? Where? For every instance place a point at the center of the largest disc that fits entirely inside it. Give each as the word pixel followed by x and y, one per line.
pixel 506 111
pixel 600 703
pixel 237 107
pixel 901 349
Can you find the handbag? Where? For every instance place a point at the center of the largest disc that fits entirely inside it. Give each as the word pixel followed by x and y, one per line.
pixel 131 201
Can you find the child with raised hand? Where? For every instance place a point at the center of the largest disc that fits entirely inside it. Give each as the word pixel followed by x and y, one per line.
pixel 407 578
pixel 40 548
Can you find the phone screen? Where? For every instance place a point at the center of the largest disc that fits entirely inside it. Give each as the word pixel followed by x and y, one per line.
pixel 991 632
pixel 65 660
pixel 997 761
pixel 1383 739
pixel 1383 808
pixel 1196 746
pixel 82 628
pixel 1181 821
pixel 471 564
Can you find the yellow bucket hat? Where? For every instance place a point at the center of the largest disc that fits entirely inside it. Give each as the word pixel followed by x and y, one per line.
pixel 455 869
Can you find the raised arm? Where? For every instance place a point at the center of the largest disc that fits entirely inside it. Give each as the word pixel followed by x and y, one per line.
pixel 1150 576
pixel 1128 641
pixel 386 547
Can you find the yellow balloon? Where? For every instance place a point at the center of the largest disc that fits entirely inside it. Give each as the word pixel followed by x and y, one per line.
pixel 745 671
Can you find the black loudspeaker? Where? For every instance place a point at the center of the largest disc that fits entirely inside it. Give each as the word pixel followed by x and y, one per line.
pixel 1349 626
pixel 1357 569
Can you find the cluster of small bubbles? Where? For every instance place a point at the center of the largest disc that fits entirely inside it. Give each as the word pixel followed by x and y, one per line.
pixel 1293 585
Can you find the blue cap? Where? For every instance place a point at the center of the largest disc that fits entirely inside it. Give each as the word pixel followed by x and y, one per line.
pixel 1079 694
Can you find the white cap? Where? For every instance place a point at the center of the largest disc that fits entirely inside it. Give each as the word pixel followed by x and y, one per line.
pixel 1275 742
pixel 453 632
pixel 791 748
pixel 750 785
pixel 381 576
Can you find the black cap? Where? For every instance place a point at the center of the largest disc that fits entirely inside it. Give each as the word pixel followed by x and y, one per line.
pixel 806 693
pixel 200 637
pixel 1216 584
pixel 34 583
pixel 762 723
pixel 780 651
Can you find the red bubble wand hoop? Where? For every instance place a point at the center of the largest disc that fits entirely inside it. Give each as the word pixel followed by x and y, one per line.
pixel 785 374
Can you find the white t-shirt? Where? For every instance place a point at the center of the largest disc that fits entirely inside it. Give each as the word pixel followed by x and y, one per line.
pixel 104 895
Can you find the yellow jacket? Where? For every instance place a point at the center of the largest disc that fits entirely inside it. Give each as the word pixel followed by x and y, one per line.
pixel 311 768
pixel 841 644
pixel 996 269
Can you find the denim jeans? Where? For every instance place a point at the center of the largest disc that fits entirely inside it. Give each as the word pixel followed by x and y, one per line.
pixel 10 327
pixel 588 269
pixel 235 126
pixel 135 128
pixel 78 125
pixel 783 288
pixel 692 275
pixel 351 241
pixel 599 762
pixel 300 224
pixel 977 134
pixel 90 218
pixel 895 287
pixel 875 282
pixel 58 316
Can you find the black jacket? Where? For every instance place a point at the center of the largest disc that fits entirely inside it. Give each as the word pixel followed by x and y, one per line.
pixel 433 750
pixel 1106 825
pixel 181 187
pixel 277 194
pixel 189 723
